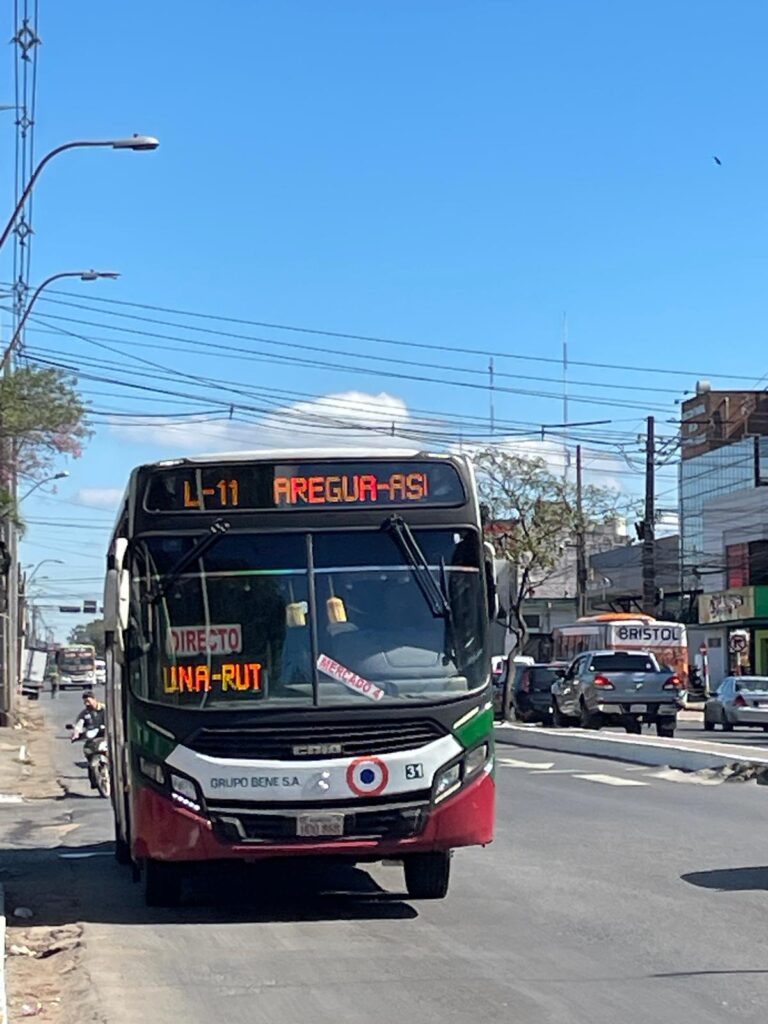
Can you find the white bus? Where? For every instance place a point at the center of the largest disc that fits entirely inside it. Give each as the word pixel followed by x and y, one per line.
pixel 615 631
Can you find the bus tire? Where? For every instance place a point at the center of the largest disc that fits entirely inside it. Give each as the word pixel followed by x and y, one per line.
pixel 162 883
pixel 665 729
pixel 427 875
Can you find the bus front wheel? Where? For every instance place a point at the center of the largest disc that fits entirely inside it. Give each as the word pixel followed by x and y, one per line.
pixel 427 875
pixel 162 883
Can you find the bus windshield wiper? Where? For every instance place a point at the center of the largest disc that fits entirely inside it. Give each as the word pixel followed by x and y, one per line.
pixel 212 536
pixel 434 595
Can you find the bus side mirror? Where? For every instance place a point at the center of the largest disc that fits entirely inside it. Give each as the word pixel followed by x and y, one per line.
pixel 490 581
pixel 116 600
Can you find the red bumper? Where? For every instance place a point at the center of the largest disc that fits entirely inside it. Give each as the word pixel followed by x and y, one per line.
pixel 164 831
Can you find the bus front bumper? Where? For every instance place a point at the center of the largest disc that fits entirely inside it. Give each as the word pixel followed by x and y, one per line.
pixel 162 830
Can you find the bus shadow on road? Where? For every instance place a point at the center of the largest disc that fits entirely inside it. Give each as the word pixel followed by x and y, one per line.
pixel 71 884
pixel 730 879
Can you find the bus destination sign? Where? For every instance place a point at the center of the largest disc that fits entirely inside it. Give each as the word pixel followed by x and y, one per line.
pixel 267 486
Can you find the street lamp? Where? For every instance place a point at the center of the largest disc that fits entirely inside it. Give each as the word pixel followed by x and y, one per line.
pixel 135 142
pixel 45 561
pixel 48 480
pixel 84 275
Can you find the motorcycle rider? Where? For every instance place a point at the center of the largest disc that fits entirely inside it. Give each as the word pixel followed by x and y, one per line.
pixel 93 716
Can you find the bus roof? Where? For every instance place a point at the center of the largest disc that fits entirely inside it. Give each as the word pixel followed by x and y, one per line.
pixel 285 454
pixel 618 617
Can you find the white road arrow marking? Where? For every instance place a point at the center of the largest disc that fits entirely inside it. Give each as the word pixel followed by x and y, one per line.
pixel 611 780
pixel 510 762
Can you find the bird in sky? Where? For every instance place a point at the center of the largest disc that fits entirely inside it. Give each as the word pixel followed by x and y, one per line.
pixel 718 161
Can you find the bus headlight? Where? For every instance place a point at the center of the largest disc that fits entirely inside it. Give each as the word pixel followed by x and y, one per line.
pixel 475 760
pixel 447 781
pixel 184 792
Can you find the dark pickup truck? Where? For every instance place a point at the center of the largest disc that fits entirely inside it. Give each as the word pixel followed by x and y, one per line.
pixel 625 688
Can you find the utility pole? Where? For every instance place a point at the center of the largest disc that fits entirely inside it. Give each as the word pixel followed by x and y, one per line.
pixel 492 384
pixel 649 524
pixel 566 454
pixel 581 553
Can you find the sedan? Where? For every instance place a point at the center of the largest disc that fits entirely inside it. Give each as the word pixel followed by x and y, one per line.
pixel 738 700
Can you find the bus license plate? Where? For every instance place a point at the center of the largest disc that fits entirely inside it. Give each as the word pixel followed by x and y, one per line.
pixel 638 709
pixel 314 825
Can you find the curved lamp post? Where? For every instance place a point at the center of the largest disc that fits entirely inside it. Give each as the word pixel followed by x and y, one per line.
pixel 84 275
pixel 135 142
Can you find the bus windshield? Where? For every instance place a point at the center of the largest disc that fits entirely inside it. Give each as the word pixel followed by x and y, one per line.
pixel 236 628
pixel 78 661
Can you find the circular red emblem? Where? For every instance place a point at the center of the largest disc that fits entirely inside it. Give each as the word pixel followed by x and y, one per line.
pixel 367 776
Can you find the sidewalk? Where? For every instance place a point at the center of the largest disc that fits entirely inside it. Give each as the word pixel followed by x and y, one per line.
pixel 43 973
pixel 26 767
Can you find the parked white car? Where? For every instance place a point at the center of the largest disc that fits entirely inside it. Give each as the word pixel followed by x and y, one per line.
pixel 101 671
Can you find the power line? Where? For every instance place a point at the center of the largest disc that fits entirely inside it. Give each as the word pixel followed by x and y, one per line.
pixel 315 349
pixel 196 378
pixel 327 366
pixel 485 353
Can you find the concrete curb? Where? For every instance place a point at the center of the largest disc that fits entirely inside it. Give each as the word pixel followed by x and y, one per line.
pixel 3 954
pixel 687 755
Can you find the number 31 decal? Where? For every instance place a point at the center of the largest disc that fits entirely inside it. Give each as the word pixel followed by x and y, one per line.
pixel 414 771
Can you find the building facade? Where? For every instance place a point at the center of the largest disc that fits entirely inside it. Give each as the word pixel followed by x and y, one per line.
pixel 733 607
pixel 724 450
pixel 616 579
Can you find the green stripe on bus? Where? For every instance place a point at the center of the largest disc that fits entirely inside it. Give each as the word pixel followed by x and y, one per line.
pixel 476 729
pixel 151 741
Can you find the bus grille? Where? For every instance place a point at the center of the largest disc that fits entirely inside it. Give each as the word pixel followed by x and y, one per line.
pixel 316 742
pixel 377 823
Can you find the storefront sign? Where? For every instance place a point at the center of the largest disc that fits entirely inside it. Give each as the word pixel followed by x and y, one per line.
pixel 727 605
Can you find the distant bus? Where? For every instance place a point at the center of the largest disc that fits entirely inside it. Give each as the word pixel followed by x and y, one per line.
pixel 76 666
pixel 615 631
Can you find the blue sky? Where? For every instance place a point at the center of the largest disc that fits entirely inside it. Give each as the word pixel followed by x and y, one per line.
pixel 451 173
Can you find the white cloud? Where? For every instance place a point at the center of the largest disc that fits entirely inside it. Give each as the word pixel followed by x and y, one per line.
pixel 99 497
pixel 346 418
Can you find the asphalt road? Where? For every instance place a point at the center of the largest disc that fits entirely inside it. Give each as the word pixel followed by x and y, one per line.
pixel 611 893
pixel 748 737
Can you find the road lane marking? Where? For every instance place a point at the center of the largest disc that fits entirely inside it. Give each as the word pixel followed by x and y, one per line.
pixel 510 762
pixel 691 778
pixel 610 780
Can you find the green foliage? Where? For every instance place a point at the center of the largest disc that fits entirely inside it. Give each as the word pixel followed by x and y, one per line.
pixel 42 416
pixel 90 633
pixel 532 519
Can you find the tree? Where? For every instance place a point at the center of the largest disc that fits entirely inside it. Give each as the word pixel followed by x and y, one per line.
pixel 90 633
pixel 42 416
pixel 532 517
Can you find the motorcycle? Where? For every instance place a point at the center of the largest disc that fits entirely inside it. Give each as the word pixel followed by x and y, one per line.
pixel 97 755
